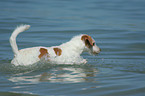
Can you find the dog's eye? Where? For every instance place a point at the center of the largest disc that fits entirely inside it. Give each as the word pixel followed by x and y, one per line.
pixel 93 44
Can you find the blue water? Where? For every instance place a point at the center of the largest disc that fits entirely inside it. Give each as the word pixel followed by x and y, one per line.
pixel 118 26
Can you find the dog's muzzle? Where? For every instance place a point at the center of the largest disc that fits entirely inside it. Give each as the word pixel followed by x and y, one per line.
pixel 96 50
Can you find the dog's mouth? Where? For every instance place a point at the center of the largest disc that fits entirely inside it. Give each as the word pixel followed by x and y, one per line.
pixel 94 53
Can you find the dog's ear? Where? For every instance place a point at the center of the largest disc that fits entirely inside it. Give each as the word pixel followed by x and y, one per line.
pixel 57 51
pixel 89 42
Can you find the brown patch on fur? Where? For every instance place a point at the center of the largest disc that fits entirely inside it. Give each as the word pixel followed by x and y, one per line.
pixel 43 52
pixel 58 51
pixel 88 40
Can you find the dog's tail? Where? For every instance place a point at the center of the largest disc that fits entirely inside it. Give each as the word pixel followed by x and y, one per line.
pixel 18 30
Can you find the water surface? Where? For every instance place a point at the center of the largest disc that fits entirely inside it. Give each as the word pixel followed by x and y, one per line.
pixel 118 26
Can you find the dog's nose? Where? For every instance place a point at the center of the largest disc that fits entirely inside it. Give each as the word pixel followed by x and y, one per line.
pixel 100 49
pixel 97 52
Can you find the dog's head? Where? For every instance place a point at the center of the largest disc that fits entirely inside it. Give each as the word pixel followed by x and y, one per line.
pixel 90 44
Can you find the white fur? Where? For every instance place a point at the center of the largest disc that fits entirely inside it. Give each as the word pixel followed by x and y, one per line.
pixel 70 51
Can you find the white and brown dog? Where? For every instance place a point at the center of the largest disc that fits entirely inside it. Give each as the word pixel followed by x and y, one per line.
pixel 66 53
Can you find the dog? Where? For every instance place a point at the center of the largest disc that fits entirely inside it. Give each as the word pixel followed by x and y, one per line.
pixel 66 53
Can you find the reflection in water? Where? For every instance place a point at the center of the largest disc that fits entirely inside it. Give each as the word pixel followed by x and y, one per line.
pixel 70 74
pixel 62 74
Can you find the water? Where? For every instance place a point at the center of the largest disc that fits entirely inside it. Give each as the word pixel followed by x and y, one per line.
pixel 118 26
